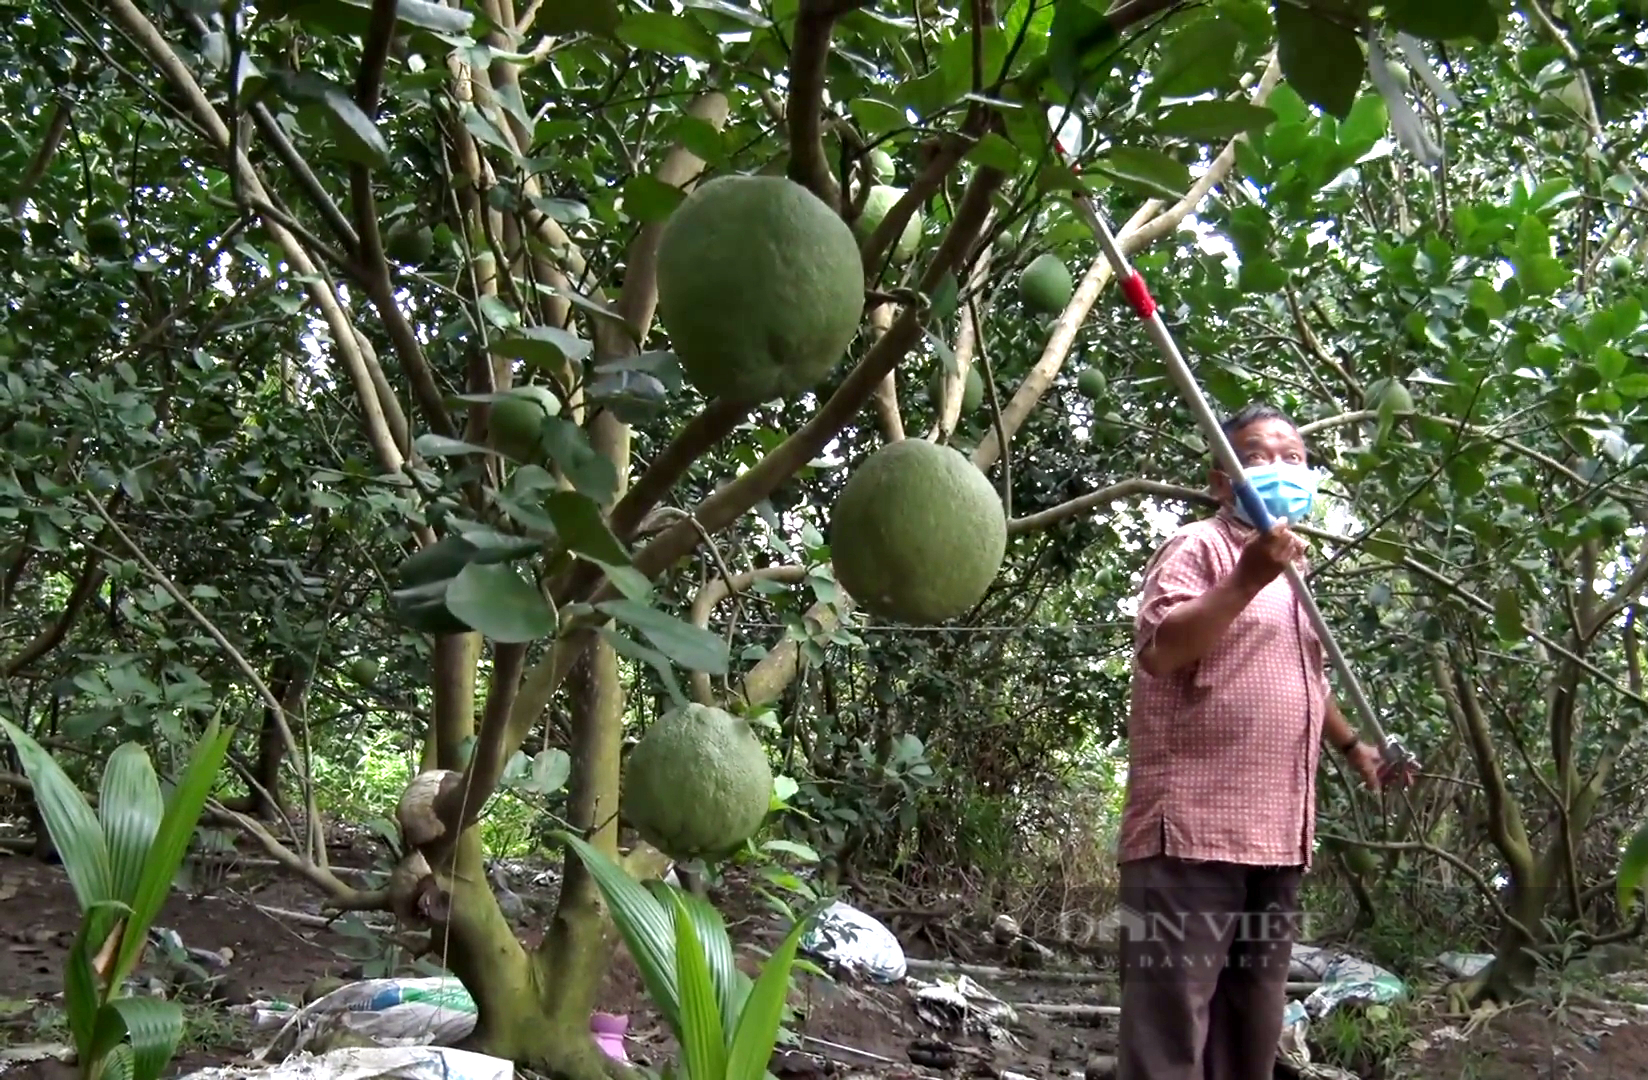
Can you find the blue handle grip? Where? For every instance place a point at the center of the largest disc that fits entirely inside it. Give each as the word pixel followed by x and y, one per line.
pixel 1257 511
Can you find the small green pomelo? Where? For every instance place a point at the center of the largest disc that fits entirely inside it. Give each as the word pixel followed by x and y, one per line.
pixel 364 671
pixel 760 287
pixel 517 422
pixel 1090 384
pixel 972 389
pixel 881 166
pixel 877 203
pixel 410 242
pixel 1621 266
pixel 104 238
pixel 1613 520
pixel 1046 285
pixel 698 784
pixel 918 533
pixel 1389 397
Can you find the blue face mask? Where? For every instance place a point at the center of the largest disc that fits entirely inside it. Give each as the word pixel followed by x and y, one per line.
pixel 1287 490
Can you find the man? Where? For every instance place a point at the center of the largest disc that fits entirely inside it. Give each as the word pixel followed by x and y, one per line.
pixel 1230 703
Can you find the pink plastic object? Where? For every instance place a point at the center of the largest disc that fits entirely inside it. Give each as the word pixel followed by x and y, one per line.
pixel 609 1034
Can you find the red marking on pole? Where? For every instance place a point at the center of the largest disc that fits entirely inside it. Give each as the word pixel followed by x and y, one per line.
pixel 1138 295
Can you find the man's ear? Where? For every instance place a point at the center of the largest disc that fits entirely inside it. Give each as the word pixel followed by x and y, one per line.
pixel 1218 483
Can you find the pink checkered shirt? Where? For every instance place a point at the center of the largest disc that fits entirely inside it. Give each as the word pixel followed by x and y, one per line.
pixel 1222 754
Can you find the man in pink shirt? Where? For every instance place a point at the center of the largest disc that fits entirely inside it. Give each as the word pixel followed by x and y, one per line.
pixel 1230 707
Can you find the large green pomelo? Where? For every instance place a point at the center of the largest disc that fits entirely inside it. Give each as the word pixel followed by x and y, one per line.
pixel 697 784
pixel 517 422
pixel 876 204
pixel 1046 285
pixel 918 533
pixel 760 287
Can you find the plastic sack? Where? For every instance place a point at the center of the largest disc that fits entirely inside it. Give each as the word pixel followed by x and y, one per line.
pixel 372 1063
pixel 389 1012
pixel 846 937
pixel 1348 980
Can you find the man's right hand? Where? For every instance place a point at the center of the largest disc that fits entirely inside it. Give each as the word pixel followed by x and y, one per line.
pixel 1268 555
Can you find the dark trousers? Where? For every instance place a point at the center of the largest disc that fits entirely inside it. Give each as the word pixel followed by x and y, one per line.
pixel 1205 952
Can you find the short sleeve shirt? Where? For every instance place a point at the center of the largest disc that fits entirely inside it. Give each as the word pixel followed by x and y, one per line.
pixel 1222 753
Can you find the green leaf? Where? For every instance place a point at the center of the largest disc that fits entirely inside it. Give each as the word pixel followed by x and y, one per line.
pixel 1209 121
pixel 1434 20
pixel 153 1026
pixel 1633 867
pixel 710 930
pixel 434 446
pixel 558 18
pixel 693 647
pixel 130 806
pixel 1485 298
pixel 649 199
pixel 703 1045
pixel 1508 614
pixel 550 771
pixel 541 346
pixel 583 529
pixel 1322 59
pixel 70 822
pixel 589 471
pixel 82 994
pixel 1149 171
pixel 171 840
pixel 352 18
pixel 763 1011
pixel 497 601
pixel 358 138
pixel 877 118
pixel 1076 45
pixel 1609 363
pixel 634 650
pixel 644 924
pixel 995 152
pixel 674 35
pixel 1633 386
pixel 1198 58
pixel 1365 124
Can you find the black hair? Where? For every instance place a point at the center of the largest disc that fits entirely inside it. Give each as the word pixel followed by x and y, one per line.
pixel 1252 413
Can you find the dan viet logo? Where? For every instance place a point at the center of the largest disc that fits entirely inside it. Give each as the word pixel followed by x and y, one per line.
pixel 1273 924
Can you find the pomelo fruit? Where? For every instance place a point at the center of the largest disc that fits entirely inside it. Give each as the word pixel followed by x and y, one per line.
pixel 1389 397
pixel 881 166
pixel 1621 266
pixel 1046 285
pixel 410 242
pixel 917 534
pixel 364 670
pixel 1090 384
pixel 698 784
pixel 876 204
pixel 972 389
pixel 760 287
pixel 517 422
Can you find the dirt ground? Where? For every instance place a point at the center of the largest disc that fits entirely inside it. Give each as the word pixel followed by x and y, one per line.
pixel 267 929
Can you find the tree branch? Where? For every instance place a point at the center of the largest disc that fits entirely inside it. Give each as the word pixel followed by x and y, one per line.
pixel 1142 229
pixel 56 127
pixel 720 588
pixel 90 579
pixel 809 58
